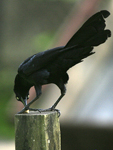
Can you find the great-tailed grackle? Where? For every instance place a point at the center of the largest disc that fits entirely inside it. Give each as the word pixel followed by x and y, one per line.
pixel 51 65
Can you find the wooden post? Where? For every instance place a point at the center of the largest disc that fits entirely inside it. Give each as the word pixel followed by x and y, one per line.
pixel 37 131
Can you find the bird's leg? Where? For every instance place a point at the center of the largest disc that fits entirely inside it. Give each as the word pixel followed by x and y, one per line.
pixel 27 106
pixel 63 91
pixel 38 93
pixel 52 108
pixel 23 110
pixel 56 103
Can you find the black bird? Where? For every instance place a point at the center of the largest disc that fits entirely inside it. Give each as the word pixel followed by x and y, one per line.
pixel 51 66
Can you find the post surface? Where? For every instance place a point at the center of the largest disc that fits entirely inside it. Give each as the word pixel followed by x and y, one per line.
pixel 37 131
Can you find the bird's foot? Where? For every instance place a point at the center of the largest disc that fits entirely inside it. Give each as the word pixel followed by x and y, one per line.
pixel 51 109
pixel 34 109
pixel 26 110
pixel 44 110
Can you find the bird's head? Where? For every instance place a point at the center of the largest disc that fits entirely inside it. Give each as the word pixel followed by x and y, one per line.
pixel 21 89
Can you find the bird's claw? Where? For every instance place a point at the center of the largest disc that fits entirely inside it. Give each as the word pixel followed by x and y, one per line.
pixel 51 109
pixel 33 109
pixel 40 110
pixel 44 110
pixel 22 111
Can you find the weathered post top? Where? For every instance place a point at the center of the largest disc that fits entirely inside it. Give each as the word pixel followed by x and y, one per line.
pixel 37 131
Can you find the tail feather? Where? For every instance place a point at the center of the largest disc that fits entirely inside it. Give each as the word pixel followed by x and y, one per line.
pixel 98 39
pixel 81 45
pixel 73 56
pixel 92 32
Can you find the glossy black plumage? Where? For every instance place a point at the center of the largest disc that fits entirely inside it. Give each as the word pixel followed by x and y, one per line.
pixel 51 65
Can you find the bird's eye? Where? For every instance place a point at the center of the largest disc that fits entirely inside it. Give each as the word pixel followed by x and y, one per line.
pixel 17 98
pixel 28 97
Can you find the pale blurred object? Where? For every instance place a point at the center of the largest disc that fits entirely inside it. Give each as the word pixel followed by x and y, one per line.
pixel 7 145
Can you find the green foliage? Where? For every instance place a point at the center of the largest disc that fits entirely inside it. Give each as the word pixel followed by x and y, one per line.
pixel 6 90
pixel 42 41
pixel 7 77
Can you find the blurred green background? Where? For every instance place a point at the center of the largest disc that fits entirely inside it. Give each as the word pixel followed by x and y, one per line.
pixel 31 26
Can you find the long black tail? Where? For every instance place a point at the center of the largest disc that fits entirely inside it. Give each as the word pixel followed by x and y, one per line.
pixel 92 33
pixel 81 45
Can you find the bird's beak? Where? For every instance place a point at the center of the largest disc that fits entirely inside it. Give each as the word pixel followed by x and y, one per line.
pixel 24 101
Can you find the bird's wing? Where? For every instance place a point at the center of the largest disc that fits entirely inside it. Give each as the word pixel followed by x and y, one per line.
pixel 38 61
pixel 89 29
